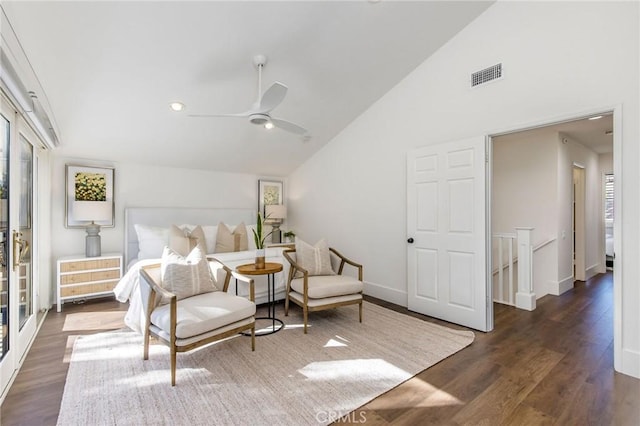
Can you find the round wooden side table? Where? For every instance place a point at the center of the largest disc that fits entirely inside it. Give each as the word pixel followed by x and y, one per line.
pixel 270 269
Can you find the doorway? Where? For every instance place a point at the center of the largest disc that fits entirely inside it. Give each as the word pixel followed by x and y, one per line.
pixel 549 177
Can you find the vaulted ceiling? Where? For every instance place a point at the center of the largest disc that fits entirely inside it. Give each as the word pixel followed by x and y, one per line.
pixel 110 69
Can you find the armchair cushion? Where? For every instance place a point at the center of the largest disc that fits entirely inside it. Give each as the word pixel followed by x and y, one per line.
pixel 328 286
pixel 315 259
pixel 203 313
pixel 186 276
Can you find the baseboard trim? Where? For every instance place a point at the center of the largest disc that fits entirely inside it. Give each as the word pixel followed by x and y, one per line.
pixel 558 287
pixel 592 271
pixel 630 363
pixel 385 293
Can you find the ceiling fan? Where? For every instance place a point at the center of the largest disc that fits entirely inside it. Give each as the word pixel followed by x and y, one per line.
pixel 259 111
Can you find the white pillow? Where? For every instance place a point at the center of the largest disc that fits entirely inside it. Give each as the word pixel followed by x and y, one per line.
pixel 151 241
pixel 210 233
pixel 315 259
pixel 186 276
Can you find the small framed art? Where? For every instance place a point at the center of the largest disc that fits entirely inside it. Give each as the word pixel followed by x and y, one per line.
pixel 89 184
pixel 269 192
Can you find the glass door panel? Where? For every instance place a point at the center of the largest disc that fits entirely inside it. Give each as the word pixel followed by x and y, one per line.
pixel 4 235
pixel 23 252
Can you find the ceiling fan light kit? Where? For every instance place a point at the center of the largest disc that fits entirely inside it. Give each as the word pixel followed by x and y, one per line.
pixel 270 99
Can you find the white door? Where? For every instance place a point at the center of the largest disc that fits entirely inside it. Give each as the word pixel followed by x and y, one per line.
pixel 447 233
pixel 18 223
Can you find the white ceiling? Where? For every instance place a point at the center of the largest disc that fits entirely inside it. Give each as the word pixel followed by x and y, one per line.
pixel 110 69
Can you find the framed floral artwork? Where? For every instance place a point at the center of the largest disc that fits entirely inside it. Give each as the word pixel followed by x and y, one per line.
pixel 92 184
pixel 269 192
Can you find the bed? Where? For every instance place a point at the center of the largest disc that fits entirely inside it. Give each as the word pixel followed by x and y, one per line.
pixel 160 218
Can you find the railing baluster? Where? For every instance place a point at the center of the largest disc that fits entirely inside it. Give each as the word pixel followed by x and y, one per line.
pixel 512 290
pixel 500 268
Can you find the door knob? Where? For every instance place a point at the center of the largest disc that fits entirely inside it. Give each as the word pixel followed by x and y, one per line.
pixel 410 240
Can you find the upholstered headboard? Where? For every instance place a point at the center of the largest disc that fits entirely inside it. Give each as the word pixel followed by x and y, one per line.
pixel 167 216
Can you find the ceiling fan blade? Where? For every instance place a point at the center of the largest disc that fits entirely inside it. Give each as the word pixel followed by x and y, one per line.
pixel 271 98
pixel 242 114
pixel 288 126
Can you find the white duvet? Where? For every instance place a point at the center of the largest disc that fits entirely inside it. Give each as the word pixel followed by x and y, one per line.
pixel 127 290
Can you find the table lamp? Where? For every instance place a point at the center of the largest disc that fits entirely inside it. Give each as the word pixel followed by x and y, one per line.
pixel 276 214
pixel 92 211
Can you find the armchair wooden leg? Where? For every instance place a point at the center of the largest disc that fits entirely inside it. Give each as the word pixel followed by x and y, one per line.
pixel 146 345
pixel 253 337
pixel 173 366
pixel 286 306
pixel 360 311
pixel 305 315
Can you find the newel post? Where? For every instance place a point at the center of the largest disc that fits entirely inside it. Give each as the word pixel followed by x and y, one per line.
pixel 525 297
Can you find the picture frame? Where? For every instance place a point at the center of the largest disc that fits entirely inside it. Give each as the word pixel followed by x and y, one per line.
pixel 269 192
pixel 88 183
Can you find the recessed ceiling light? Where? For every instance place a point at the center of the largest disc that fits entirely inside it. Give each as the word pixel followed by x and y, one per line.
pixel 597 117
pixel 176 106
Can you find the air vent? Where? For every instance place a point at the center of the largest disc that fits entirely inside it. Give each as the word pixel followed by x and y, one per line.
pixel 486 75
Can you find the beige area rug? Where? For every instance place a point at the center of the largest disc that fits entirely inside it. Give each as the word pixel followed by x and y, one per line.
pixel 291 378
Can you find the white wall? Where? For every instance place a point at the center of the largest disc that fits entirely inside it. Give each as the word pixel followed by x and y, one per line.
pixel 354 190
pixel 524 179
pixel 146 186
pixel 45 289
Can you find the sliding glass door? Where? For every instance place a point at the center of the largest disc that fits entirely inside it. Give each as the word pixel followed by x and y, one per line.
pixel 25 233
pixel 4 221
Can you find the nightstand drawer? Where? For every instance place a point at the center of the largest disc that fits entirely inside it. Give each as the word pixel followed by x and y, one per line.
pixel 85 277
pixel 85 265
pixel 82 290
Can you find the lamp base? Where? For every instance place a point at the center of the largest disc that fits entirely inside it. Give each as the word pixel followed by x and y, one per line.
pixel 92 241
pixel 276 234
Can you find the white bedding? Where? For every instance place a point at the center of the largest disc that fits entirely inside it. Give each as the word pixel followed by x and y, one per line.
pixel 127 289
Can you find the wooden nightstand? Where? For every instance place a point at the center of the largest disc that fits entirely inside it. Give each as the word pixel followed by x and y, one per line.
pixel 80 277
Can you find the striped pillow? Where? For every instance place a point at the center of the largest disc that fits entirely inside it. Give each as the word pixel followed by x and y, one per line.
pixel 186 276
pixel 315 259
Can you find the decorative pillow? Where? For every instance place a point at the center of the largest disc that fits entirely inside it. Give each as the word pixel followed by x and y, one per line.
pixel 315 259
pixel 228 241
pixel 151 241
pixel 186 276
pixel 183 240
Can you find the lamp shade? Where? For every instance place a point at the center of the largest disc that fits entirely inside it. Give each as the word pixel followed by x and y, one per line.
pixel 94 211
pixel 276 211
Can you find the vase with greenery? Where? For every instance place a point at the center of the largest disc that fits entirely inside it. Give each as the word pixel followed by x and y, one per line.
pixel 289 236
pixel 259 239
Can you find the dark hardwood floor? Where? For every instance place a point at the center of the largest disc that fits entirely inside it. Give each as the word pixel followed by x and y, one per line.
pixel 550 366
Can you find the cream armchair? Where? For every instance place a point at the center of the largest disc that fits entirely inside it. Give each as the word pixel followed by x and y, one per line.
pixel 319 292
pixel 195 321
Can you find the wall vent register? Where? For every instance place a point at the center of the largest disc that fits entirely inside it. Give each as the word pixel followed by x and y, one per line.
pixel 486 75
